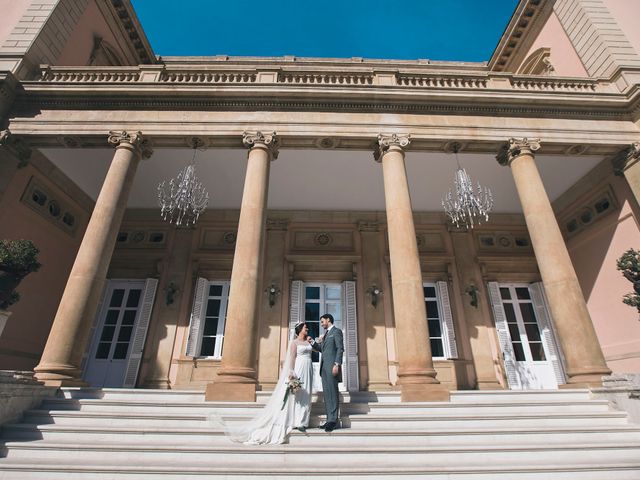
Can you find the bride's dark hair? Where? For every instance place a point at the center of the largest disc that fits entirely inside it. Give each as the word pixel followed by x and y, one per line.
pixel 299 328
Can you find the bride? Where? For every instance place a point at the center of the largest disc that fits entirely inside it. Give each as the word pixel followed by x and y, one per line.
pixel 279 416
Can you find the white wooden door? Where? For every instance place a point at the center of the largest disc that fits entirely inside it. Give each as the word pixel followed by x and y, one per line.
pixel 529 356
pixel 118 340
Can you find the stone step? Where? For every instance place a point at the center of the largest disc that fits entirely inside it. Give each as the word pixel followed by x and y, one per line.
pixel 94 405
pixel 291 456
pixel 317 438
pixel 493 396
pixel 369 420
pixel 11 470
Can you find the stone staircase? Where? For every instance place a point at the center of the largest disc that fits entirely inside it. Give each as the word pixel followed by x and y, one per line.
pixel 166 434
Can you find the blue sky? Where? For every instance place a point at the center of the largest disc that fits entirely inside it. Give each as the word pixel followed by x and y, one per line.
pixel 462 30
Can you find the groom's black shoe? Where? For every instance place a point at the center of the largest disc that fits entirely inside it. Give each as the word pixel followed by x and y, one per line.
pixel 329 427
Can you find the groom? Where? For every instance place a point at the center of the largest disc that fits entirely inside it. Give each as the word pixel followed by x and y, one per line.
pixel 331 346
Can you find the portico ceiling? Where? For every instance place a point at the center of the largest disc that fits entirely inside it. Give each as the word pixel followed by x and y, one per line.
pixel 319 179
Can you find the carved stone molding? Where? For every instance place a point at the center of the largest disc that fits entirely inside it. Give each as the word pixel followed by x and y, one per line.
pixel 16 146
pixel 135 139
pixel 277 224
pixel 625 158
pixel 268 140
pixel 516 147
pixel 385 142
pixel 366 226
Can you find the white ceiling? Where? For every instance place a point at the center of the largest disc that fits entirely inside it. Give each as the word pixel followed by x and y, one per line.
pixel 319 179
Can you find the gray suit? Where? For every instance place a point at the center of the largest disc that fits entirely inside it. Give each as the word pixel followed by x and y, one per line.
pixel 332 349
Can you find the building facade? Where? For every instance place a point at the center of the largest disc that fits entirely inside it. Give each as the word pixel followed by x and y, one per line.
pixel 325 177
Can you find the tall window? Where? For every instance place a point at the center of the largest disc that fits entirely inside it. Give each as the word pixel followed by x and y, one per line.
pixel 521 321
pixel 434 319
pixel 208 315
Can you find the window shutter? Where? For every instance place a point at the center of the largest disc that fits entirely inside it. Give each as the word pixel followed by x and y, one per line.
pixel 142 325
pixel 197 315
pixel 351 336
pixel 546 330
pixel 296 305
pixel 503 336
pixel 449 334
pixel 97 318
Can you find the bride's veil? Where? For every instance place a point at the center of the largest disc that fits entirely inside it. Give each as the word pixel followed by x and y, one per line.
pixel 266 420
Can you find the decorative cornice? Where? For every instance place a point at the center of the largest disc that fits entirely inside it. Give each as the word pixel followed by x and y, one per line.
pixel 25 105
pixel 16 147
pixel 269 141
pixel 625 158
pixel 385 142
pixel 131 26
pixel 516 147
pixel 134 139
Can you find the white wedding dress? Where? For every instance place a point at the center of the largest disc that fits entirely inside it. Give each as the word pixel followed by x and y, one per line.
pixel 277 418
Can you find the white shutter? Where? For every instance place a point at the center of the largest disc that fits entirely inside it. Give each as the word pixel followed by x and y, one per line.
pixel 546 331
pixel 142 325
pixel 296 305
pixel 96 320
pixel 502 329
pixel 197 315
pixel 449 334
pixel 351 336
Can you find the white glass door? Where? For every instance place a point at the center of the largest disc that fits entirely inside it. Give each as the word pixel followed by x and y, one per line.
pixel 111 345
pixel 321 298
pixel 533 367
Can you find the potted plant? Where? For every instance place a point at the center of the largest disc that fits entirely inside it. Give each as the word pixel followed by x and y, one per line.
pixel 18 258
pixel 629 265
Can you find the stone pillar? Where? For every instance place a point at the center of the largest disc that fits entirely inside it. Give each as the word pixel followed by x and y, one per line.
pixel 626 164
pixel 60 362
pixel 376 338
pixel 416 375
pixel 585 364
pixel 477 319
pixel 236 378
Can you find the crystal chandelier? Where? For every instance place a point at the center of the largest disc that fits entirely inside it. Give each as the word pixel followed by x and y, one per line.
pixel 466 207
pixel 183 198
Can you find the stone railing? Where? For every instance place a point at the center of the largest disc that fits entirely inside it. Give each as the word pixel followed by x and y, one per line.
pixel 547 84
pixel 437 81
pixel 326 78
pixel 214 75
pixel 207 77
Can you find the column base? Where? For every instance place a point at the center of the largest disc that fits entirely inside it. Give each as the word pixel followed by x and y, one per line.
pixel 230 392
pixel 425 392
pixel 59 375
pixel 585 379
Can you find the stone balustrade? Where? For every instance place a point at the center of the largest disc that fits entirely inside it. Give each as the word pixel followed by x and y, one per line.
pixel 168 74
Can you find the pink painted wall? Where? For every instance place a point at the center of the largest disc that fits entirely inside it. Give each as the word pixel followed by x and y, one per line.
pixel 563 56
pixel 626 13
pixel 80 43
pixel 27 329
pixel 12 11
pixel 594 253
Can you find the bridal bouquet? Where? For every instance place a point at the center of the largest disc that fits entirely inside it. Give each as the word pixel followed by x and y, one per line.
pixel 293 385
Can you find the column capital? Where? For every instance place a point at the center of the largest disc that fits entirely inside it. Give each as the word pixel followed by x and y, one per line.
pixel 17 146
pixel 625 158
pixel 385 142
pixel 268 141
pixel 133 140
pixel 516 147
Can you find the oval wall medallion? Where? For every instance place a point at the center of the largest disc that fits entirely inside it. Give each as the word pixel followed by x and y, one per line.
pixel 323 239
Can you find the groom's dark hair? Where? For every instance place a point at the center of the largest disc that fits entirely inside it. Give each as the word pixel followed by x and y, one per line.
pixel 328 316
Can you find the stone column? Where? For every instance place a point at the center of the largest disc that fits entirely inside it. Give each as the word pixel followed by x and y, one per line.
pixel 585 364
pixel 626 164
pixel 236 378
pixel 416 375
pixel 60 362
